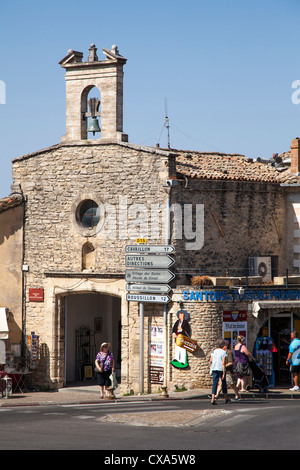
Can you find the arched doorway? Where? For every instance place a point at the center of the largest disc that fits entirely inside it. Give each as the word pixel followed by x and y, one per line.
pixel 90 319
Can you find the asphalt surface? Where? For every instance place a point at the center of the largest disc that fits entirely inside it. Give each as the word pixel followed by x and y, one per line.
pixel 90 394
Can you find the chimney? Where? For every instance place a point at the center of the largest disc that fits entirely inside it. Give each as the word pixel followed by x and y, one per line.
pixel 295 155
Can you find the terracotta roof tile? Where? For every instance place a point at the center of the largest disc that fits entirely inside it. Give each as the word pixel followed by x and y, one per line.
pixel 232 167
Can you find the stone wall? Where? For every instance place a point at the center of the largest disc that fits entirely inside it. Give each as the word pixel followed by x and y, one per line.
pixel 118 177
pixel 241 220
pixel 11 252
pixel 128 182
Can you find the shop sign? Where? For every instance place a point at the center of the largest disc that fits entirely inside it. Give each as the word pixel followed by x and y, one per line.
pixel 234 324
pixel 36 295
pixel 249 295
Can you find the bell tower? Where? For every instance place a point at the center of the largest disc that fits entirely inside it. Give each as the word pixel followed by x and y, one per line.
pixel 82 114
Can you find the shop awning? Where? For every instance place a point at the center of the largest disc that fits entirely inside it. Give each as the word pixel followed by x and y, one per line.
pixel 3 324
pixel 257 306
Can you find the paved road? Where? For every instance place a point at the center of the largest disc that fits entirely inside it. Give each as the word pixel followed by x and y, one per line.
pixel 187 425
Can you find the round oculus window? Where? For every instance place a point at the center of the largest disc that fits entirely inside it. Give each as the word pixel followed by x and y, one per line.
pixel 89 214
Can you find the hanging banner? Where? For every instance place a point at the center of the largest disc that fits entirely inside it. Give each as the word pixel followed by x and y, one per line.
pixel 234 325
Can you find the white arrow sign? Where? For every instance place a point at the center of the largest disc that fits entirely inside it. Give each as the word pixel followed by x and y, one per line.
pixel 148 261
pixel 155 288
pixel 149 275
pixel 161 299
pixel 149 249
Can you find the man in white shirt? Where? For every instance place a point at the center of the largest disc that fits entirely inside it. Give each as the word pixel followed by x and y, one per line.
pixel 218 367
pixel 294 359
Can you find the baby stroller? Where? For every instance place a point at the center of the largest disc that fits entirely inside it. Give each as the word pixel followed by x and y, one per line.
pixel 259 378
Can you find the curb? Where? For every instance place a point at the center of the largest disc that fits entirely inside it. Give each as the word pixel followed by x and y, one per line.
pixel 70 398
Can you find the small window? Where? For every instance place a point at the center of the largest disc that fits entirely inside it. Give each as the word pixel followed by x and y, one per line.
pixel 89 214
pixel 88 256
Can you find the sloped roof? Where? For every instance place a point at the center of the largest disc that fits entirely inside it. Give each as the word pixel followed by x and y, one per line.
pixel 202 165
pixel 10 202
pixel 231 167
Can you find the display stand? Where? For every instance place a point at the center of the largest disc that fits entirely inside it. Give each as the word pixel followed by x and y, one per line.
pixel 32 350
pixel 264 356
pixel 85 353
pixel 19 381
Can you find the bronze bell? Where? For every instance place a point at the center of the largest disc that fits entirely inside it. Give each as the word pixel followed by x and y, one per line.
pixel 94 126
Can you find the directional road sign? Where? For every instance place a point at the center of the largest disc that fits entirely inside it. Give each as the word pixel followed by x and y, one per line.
pixel 148 261
pixel 161 299
pixel 149 249
pixel 151 276
pixel 154 288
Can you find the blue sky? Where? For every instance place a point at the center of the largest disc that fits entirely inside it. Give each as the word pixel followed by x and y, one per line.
pixel 226 68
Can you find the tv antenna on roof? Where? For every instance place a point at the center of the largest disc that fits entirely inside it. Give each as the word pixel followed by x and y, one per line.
pixel 166 124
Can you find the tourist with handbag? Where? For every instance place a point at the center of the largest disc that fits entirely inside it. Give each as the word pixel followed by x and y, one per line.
pixel 105 365
pixel 242 356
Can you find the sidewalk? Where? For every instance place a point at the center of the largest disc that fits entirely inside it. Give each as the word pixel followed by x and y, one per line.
pixel 90 394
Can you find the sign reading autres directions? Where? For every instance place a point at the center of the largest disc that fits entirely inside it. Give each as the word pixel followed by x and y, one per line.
pixel 148 261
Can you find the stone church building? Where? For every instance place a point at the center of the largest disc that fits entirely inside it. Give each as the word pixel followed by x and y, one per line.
pixel 75 234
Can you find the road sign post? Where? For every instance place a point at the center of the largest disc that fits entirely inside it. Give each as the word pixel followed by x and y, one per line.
pixel 147 283
pixel 148 261
pixel 167 249
pixel 151 276
pixel 149 288
pixel 159 299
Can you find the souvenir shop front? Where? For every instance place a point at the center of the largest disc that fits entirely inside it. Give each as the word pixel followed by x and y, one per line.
pixel 265 317
pixel 272 344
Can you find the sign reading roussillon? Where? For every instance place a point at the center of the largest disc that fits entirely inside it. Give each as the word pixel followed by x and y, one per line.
pixel 163 299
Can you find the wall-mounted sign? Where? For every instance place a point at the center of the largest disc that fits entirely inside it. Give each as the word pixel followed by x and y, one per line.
pixel 234 324
pixel 156 354
pixel 249 295
pixel 36 295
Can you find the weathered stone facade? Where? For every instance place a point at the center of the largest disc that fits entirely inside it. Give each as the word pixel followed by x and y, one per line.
pixel 11 253
pixel 224 209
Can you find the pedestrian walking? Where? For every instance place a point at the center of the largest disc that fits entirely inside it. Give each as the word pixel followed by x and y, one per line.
pixel 105 364
pixel 230 379
pixel 218 367
pixel 294 360
pixel 242 355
